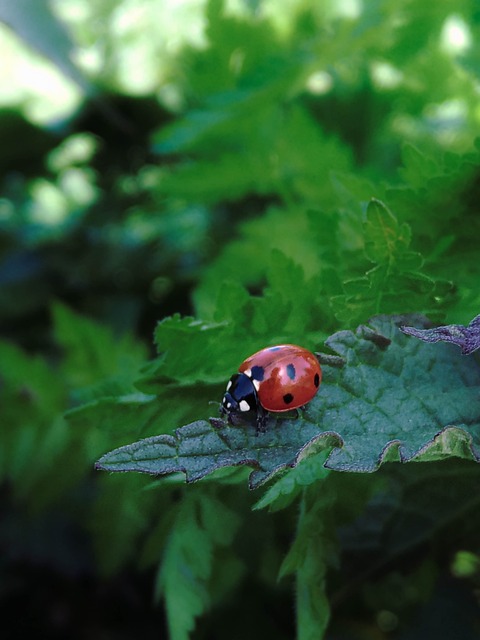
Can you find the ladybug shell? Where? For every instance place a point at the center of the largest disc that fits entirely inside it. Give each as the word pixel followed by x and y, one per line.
pixel 286 376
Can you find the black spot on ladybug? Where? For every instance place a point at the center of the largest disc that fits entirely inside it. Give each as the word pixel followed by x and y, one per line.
pixel 288 398
pixel 316 380
pixel 258 373
pixel 291 371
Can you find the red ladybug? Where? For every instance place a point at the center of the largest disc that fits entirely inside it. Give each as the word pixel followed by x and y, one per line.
pixel 275 379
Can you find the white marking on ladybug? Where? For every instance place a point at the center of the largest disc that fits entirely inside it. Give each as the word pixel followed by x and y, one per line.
pixel 229 404
pixel 248 373
pixel 256 383
pixel 244 406
pixel 229 384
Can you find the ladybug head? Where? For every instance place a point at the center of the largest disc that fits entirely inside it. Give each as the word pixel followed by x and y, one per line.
pixel 240 396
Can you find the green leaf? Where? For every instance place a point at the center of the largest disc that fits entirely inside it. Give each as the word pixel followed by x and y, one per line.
pixel 309 556
pixel 395 284
pixel 283 492
pixel 202 523
pixel 418 168
pixel 197 353
pixel 383 234
pixel 186 346
pixel 93 353
pixel 313 607
pixel 394 399
pixel 31 401
pixel 120 512
pixel 308 238
pixel 202 447
pixel 28 388
pixel 114 421
pixel 33 436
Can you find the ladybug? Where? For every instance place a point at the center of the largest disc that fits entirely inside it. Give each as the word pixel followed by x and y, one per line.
pixel 275 379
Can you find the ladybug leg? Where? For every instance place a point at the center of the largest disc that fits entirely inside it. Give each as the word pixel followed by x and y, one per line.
pixel 262 417
pixel 226 416
pixel 234 419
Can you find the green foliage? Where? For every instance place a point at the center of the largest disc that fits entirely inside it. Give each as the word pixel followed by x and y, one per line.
pixel 202 523
pixel 239 175
pixel 93 354
pixel 201 447
pixel 33 433
pixel 396 272
pixel 392 399
pixel 120 514
pixel 307 471
pixel 309 557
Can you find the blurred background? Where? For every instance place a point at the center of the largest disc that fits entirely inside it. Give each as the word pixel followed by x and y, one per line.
pixel 149 151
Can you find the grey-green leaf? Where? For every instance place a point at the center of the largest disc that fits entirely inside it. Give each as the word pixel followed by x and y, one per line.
pixel 394 399
pixel 402 402
pixel 202 447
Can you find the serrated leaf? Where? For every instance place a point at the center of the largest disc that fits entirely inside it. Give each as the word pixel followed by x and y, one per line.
pixel 188 559
pixel 28 388
pixel 187 347
pixel 197 353
pixel 394 284
pixel 467 338
pixel 381 232
pixel 406 398
pixel 93 352
pixel 308 557
pixel 120 512
pixel 395 399
pixel 287 488
pixel 185 567
pixel 202 447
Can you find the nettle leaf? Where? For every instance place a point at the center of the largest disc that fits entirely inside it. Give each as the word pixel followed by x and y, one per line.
pixel 191 352
pixel 186 334
pixel 196 352
pixel 201 447
pixel 384 236
pixel 467 338
pixel 394 399
pixel 395 282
